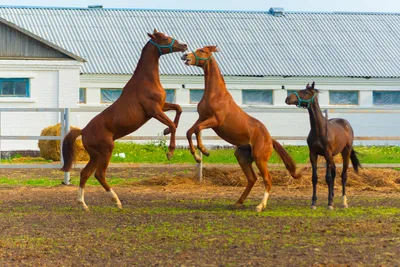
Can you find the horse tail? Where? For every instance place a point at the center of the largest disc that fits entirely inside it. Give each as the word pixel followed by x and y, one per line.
pixel 68 148
pixel 286 158
pixel 354 160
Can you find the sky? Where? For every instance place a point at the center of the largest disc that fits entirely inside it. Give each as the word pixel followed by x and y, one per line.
pixel 291 5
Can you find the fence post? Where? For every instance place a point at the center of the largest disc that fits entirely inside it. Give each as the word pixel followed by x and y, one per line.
pixel 65 125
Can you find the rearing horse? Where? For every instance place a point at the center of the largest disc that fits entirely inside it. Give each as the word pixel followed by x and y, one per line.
pixel 327 138
pixel 142 98
pixel 218 110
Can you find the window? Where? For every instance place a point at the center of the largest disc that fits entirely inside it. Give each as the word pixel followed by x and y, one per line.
pixel 14 87
pixel 343 97
pixel 381 98
pixel 196 96
pixel 82 95
pixel 257 97
pixel 170 95
pixel 110 95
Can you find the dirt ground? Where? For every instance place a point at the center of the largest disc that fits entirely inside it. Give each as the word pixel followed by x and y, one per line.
pixel 170 220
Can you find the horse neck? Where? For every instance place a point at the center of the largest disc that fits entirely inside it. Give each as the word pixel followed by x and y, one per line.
pixel 148 65
pixel 214 81
pixel 317 120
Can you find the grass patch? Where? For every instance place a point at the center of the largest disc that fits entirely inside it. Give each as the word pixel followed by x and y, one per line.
pixel 155 153
pixel 274 209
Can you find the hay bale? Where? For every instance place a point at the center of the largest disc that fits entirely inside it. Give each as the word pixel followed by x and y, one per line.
pixel 50 149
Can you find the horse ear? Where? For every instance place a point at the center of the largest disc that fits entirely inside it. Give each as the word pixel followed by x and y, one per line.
pixel 313 85
pixel 155 31
pixel 215 49
pixel 308 85
pixel 151 36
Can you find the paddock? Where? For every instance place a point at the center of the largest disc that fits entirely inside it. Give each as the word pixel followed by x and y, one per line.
pixel 170 219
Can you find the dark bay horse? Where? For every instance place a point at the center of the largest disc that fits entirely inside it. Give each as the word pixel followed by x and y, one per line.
pixel 327 138
pixel 142 98
pixel 218 110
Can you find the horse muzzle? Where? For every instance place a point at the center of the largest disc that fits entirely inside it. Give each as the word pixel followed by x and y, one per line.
pixel 182 46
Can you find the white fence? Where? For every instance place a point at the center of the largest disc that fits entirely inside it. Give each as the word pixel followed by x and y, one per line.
pixel 65 124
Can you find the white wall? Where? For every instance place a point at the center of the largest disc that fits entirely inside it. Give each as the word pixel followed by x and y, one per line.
pixel 280 119
pixel 53 84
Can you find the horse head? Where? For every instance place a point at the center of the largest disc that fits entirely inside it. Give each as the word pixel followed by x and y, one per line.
pixel 166 44
pixel 303 98
pixel 200 57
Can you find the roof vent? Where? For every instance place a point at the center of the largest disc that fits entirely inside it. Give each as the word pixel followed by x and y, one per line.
pixel 95 6
pixel 277 11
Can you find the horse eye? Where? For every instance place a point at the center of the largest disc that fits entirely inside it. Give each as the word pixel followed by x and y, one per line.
pixel 202 51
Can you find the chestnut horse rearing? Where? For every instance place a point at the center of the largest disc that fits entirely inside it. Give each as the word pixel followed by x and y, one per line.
pixel 327 138
pixel 142 98
pixel 218 110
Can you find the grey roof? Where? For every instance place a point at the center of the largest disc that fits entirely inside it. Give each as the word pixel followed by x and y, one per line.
pixel 41 40
pixel 252 43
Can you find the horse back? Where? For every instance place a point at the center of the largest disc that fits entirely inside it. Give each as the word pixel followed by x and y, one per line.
pixel 339 124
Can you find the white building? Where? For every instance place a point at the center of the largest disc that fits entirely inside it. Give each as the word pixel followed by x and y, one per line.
pixel 352 57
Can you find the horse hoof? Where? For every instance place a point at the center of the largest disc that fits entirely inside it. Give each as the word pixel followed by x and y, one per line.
pixel 259 208
pixel 169 155
pixel 345 206
pixel 167 131
pixel 197 159
pixel 86 208
pixel 119 206
pixel 330 207
pixel 205 153
pixel 313 207
pixel 238 206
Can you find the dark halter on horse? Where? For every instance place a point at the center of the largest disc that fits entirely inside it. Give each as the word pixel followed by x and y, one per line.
pixel 308 101
pixel 163 46
pixel 201 58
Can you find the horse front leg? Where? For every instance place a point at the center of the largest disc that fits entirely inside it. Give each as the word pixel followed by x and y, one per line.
pixel 196 128
pixel 159 115
pixel 169 106
pixel 329 177
pixel 313 160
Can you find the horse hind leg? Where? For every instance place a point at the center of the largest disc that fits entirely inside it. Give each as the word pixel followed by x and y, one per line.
pixel 245 160
pixel 262 167
pixel 261 157
pixel 84 176
pixel 333 173
pixel 346 160
pixel 100 175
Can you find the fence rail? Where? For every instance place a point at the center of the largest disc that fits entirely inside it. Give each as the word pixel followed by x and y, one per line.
pixel 64 119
